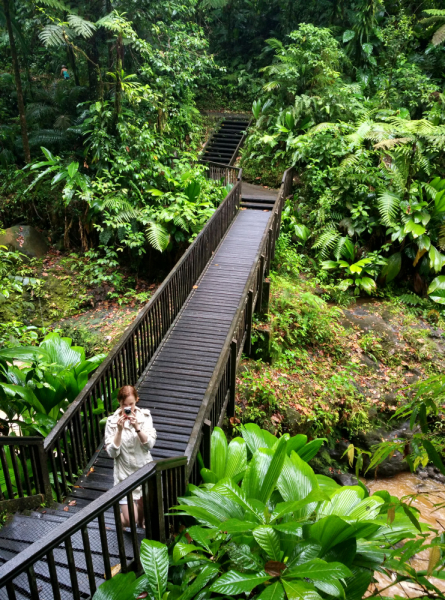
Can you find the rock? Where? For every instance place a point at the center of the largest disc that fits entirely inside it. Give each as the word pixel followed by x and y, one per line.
pixel 345 478
pixel 390 399
pixel 292 420
pixel 365 360
pixel 26 240
pixel 390 466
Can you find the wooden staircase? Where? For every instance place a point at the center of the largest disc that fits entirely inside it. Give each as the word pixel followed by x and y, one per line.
pixel 225 142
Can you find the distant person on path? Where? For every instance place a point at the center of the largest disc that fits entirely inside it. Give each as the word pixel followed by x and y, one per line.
pixel 64 72
pixel 129 436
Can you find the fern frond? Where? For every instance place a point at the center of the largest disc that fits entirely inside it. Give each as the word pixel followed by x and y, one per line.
pixel 442 237
pixel 44 137
pixel 82 27
pixel 323 127
pixel 350 161
pixel 439 36
pixel 157 236
pixel 326 242
pixel 388 144
pixel 37 111
pixel 275 44
pixel 411 299
pixel 54 4
pixel 54 35
pixel 435 12
pixel 388 204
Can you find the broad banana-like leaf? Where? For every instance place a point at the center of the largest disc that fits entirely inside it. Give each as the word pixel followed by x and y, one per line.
pixel 330 531
pixel 236 458
pixel 341 502
pixel 59 351
pixel 257 438
pixel 327 484
pixel 208 476
pixel 332 588
pixel 308 451
pixel 296 443
pixel 220 506
pixel 229 489
pixel 264 471
pixel 120 587
pixel 218 453
pixel 297 479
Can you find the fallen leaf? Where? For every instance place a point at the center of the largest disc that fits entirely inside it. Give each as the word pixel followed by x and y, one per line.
pixel 195 287
pixel 72 503
pixel 66 508
pixel 274 568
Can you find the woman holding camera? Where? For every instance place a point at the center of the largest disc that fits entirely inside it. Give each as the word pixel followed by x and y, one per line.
pixel 129 436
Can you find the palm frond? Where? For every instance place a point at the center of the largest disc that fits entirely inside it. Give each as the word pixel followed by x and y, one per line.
pixel 55 4
pixel 388 204
pixel 37 111
pixel 47 137
pixel 442 237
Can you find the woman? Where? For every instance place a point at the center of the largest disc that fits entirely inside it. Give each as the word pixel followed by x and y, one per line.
pixel 129 436
pixel 64 72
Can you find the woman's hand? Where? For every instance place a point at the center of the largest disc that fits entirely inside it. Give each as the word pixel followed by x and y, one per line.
pixel 121 423
pixel 133 421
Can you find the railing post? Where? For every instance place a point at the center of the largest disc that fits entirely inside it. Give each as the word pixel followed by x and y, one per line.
pixel 207 433
pixel 232 390
pixel 259 303
pixel 249 316
pixel 44 473
pixel 155 501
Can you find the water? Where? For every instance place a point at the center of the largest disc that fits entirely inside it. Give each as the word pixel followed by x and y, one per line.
pixel 428 492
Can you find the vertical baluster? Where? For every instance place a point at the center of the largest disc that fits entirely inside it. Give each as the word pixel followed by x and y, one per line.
pixel 110 387
pixel 62 467
pixel 67 456
pixel 73 447
pixel 104 546
pixel 23 460
pixel 88 559
pixel 11 591
pixel 80 439
pixel 15 467
pixel 133 533
pixel 32 581
pixel 152 329
pixel 146 506
pixel 55 475
pixel 5 468
pixel 35 472
pixel 53 575
pixel 72 569
pixel 87 427
pixel 120 537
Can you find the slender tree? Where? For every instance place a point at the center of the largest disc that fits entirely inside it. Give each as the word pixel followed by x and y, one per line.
pixel 18 82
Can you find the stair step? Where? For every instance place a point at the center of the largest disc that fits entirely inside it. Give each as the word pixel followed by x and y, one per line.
pixel 257 206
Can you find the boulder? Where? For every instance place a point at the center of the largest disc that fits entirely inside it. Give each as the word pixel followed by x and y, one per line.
pixel 25 239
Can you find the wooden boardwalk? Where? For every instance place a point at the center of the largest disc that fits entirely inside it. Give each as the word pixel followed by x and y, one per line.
pixel 174 385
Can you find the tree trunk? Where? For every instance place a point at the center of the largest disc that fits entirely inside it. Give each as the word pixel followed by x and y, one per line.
pixel 72 60
pixel 18 83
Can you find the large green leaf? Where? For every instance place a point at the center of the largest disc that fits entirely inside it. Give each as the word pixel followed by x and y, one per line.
pixel 220 506
pixel 415 229
pixel 263 472
pixel 392 267
pixel 298 590
pixel 302 552
pixel 439 201
pixel 330 531
pixel 297 479
pixel 319 570
pixel 154 560
pixel 202 535
pixel 308 451
pixel 22 353
pixel 436 289
pixel 268 540
pixel 257 438
pixel 120 587
pixel 233 582
pixel 236 457
pixel 228 488
pixel 437 259
pixel 218 452
pixel 275 591
pixel 358 583
pixel 295 443
pixel 332 588
pixel 206 574
pixel 59 351
pixel 284 508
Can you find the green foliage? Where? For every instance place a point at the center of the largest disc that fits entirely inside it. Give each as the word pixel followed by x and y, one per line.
pixel 35 393
pixel 283 532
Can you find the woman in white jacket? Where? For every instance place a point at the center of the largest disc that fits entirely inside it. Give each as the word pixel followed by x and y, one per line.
pixel 129 436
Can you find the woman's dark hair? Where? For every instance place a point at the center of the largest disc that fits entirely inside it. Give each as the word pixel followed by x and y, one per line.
pixel 127 390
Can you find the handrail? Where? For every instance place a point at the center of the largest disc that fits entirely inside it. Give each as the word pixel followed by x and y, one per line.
pixel 158 497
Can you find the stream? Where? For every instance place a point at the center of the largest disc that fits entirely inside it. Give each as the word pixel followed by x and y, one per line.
pixel 428 493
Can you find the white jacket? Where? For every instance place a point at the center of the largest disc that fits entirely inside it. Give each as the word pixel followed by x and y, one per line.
pixel 131 455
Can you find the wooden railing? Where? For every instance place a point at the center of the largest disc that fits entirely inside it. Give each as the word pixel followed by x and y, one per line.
pixel 25 477
pixel 224 173
pixel 95 535
pixel 77 435
pixel 219 398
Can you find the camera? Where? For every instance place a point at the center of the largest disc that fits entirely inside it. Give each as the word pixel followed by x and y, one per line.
pixel 127 411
